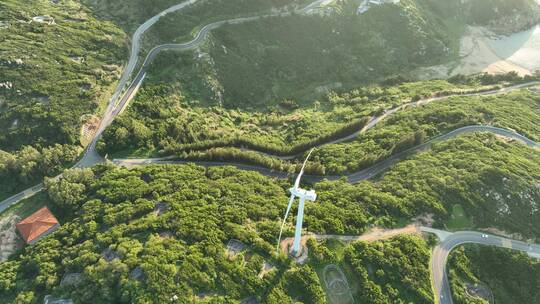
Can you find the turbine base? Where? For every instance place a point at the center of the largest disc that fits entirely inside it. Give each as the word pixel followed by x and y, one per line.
pixel 301 256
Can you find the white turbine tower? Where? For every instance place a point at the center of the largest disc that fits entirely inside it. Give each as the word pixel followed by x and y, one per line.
pixel 303 195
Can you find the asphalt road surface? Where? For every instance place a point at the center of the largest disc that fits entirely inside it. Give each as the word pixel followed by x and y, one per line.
pixel 452 240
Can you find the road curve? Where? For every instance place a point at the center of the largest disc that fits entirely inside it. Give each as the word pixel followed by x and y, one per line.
pixel 443 292
pixel 115 106
pixel 136 45
pixel 353 177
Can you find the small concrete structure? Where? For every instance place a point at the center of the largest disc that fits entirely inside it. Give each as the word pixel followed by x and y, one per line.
pixel 161 208
pixel 137 274
pixel 71 279
pixel 109 255
pixel 37 226
pixel 336 285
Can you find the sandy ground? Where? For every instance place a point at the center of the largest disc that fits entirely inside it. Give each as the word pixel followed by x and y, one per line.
pixel 9 239
pixel 477 56
pixel 374 234
pixel 89 129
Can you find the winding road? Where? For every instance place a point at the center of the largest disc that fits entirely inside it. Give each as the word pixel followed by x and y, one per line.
pixel 116 105
pixel 121 97
pixel 450 241
pixel 353 177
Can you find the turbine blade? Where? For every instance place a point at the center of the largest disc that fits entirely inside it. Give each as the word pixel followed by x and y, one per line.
pixel 285 219
pixel 297 182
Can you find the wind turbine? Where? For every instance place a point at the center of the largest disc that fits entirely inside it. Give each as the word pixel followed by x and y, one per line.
pixel 303 195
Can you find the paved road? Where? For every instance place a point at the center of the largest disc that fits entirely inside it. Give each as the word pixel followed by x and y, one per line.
pixel 136 45
pixel 377 119
pixel 353 177
pixel 452 240
pixel 116 105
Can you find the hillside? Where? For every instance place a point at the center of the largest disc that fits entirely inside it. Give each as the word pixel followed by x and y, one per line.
pixel 480 274
pixel 303 57
pixel 58 71
pixel 158 231
pixel 129 15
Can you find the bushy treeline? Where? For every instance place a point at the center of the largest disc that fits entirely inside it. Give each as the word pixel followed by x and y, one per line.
pixel 59 72
pixel 29 165
pixel 503 275
pixel 238 156
pixel 391 271
pixel 398 132
pixel 163 121
pixel 242 141
pixel 147 234
pixel 150 234
pixel 518 111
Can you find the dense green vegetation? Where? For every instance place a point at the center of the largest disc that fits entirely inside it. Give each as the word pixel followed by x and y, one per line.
pixel 54 78
pixel 402 276
pixel 162 118
pixel 511 277
pixel 58 72
pixel 502 16
pixel 29 165
pixel 180 24
pixel 174 221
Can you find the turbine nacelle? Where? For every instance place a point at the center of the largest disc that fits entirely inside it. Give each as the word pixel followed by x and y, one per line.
pixel 309 195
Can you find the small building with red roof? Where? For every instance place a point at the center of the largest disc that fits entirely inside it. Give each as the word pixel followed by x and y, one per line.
pixel 38 225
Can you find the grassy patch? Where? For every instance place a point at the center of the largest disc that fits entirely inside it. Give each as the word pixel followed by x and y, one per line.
pixel 458 218
pixel 27 206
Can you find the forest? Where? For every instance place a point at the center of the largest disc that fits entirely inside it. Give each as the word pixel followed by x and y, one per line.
pixel 402 276
pixel 124 230
pixel 29 165
pixel 299 57
pixel 161 121
pixel 503 275
pixel 59 72
pixel 162 118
